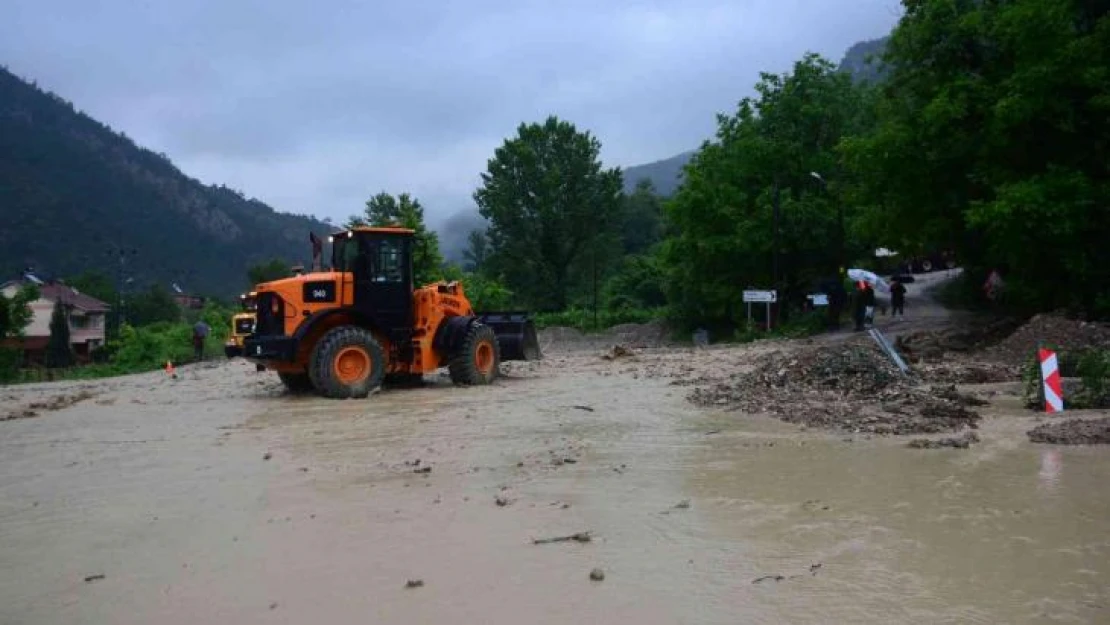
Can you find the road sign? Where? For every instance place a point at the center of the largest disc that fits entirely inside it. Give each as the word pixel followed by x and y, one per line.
pixel 761 297
pixel 819 299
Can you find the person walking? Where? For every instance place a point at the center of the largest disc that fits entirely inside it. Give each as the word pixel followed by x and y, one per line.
pixel 859 306
pixel 200 333
pixel 868 303
pixel 897 298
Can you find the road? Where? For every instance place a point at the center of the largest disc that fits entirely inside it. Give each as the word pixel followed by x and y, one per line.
pixel 216 498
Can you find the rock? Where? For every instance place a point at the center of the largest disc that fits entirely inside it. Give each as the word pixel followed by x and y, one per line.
pixel 94 578
pixel 597 575
pixel 267 456
pixel 962 442
pixel 683 505
pixel 414 583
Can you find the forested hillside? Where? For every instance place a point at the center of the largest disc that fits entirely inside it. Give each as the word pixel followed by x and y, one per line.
pixel 72 190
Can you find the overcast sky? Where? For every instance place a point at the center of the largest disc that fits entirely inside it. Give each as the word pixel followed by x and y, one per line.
pixel 314 106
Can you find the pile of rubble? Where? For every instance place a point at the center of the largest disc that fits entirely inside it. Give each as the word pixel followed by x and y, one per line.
pixel 937 345
pixel 850 387
pixel 1052 329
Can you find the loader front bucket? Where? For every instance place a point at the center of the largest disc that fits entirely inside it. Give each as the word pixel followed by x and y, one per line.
pixel 516 334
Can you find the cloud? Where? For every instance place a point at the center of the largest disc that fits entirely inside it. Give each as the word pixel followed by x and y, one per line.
pixel 314 107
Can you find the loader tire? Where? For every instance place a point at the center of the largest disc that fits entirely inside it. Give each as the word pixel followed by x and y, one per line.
pixel 478 358
pixel 296 382
pixel 347 362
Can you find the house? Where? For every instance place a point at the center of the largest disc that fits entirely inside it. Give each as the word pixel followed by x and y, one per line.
pixel 194 302
pixel 87 317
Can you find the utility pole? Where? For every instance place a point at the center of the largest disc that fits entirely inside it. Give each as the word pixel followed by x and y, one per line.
pixel 121 254
pixel 775 256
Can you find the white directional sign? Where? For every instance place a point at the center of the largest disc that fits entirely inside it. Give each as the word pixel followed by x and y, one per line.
pixel 819 299
pixel 762 297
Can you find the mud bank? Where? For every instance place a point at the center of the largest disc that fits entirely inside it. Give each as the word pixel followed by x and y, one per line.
pixel 1073 432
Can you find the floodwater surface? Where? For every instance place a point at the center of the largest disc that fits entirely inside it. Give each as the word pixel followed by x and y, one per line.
pixel 214 498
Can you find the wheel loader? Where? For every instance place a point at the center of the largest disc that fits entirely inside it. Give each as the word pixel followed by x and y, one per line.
pixel 242 324
pixel 342 331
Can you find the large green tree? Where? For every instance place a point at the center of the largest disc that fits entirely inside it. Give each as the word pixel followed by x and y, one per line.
pixel 274 269
pixel 642 219
pixel 15 312
pixel 153 305
pixel 550 204
pixel 59 349
pixel 406 211
pixel 477 251
pixel 993 139
pixel 723 213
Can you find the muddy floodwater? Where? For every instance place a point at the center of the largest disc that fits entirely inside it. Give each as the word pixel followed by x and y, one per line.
pixel 215 498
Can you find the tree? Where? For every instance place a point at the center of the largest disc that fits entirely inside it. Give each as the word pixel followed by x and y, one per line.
pixel 59 349
pixel 269 271
pixel 153 305
pixel 477 250
pixel 642 223
pixel 94 284
pixel 15 312
pixel 406 211
pixel 993 136
pixel 549 201
pixel 724 213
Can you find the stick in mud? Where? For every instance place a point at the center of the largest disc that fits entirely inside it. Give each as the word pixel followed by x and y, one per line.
pixel 580 537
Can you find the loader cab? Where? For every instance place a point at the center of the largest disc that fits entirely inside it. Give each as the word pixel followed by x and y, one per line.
pixel 379 261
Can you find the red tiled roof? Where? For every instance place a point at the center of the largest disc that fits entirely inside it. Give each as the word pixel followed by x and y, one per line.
pixel 70 296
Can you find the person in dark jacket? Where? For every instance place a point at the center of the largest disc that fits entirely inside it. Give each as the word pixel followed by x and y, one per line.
pixel 897 299
pixel 868 303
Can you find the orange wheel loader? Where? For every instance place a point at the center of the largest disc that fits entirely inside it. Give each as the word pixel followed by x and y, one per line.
pixel 242 324
pixel 340 332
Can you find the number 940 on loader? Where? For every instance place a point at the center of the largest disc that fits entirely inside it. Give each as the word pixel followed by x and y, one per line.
pixel 342 331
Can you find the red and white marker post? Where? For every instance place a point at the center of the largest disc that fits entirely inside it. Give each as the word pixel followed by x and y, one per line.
pixel 1050 377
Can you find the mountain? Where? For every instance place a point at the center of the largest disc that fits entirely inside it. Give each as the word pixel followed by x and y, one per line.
pixel 72 190
pixel 863 60
pixel 665 175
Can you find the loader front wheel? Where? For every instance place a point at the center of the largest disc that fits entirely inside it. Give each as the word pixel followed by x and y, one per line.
pixel 347 362
pixel 478 358
pixel 296 382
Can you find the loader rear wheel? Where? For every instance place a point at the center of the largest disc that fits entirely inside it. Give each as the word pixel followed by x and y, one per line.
pixel 296 382
pixel 347 362
pixel 478 358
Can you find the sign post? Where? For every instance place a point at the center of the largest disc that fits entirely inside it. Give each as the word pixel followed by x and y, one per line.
pixel 760 297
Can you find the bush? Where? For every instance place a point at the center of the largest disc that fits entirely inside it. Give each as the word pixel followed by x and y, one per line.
pixel 1091 366
pixel 10 359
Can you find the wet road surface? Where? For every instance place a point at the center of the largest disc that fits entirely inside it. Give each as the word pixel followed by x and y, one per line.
pixel 215 498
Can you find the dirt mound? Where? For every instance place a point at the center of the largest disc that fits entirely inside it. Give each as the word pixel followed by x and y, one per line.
pixel 632 335
pixel 1073 432
pixel 640 335
pixel 851 387
pixel 959 372
pixel 618 351
pixel 1050 329
pixel 934 345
